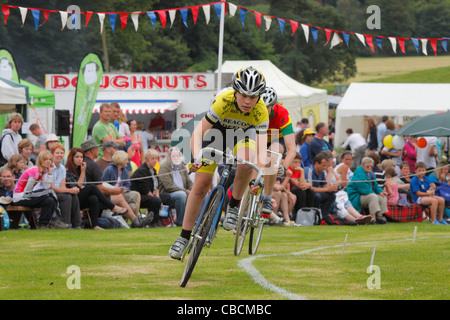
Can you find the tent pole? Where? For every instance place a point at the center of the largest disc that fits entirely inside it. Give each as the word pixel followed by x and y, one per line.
pixel 220 53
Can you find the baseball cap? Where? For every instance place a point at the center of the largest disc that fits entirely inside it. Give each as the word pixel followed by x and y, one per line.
pixel 308 131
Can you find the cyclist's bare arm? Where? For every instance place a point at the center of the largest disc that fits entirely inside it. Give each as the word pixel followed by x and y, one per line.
pixel 196 140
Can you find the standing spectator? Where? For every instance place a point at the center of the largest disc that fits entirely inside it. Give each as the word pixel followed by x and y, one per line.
pixel 324 193
pixel 124 129
pixel 332 131
pixel 410 152
pixel 157 123
pixel 301 125
pixel 364 192
pixel 39 145
pixel 11 136
pixel 429 154
pixel 104 130
pixel 395 155
pixel 307 136
pixel 318 143
pixel 372 135
pixel 25 148
pixel 51 139
pixel 147 136
pixel 381 129
pixel 136 140
pixel 390 128
pixel 357 144
pixel 67 197
pixel 175 180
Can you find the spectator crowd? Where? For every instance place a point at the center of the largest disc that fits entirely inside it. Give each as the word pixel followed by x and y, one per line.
pixel 111 180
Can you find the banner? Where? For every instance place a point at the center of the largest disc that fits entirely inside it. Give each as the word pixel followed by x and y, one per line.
pixel 88 82
pixel 312 113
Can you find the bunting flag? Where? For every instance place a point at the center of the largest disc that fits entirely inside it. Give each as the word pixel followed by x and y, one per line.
pixel 332 36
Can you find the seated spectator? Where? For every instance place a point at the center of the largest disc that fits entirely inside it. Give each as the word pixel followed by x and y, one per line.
pixel 39 144
pixel 324 193
pixel 15 164
pixel 148 188
pixel 307 136
pixel 440 174
pixel 391 187
pixel 364 192
pixel 299 186
pixel 175 181
pixel 422 192
pixel 7 183
pixel 405 175
pixel 67 197
pixel 109 148
pixel 380 175
pixel 25 149
pixel 283 200
pixel 89 195
pixel 33 190
pixel 116 174
pixel 11 137
pixel 51 139
pixel 115 194
pixel 138 145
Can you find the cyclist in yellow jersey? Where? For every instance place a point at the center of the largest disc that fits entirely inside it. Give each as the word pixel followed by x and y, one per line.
pixel 281 139
pixel 237 119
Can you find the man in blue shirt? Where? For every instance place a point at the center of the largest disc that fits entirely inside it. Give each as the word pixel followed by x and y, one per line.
pixel 318 143
pixel 7 180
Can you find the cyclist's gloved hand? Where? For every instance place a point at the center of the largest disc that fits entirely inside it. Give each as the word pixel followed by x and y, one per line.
pixel 281 170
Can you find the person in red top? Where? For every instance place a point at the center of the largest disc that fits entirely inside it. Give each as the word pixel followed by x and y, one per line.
pixel 281 139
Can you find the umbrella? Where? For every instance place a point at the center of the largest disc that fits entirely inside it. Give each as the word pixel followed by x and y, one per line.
pixel 433 125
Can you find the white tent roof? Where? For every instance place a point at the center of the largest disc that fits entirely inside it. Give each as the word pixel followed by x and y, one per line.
pixel 394 99
pixel 291 93
pixel 11 93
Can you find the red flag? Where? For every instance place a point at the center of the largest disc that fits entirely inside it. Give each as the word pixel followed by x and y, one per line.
pixel 433 45
pixel 46 14
pixel 88 17
pixel 123 19
pixel 369 40
pixel 162 17
pixel 328 34
pixel 5 10
pixel 258 19
pixel 294 26
pixel 194 13
pixel 401 43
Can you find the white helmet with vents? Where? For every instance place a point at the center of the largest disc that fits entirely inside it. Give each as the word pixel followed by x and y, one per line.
pixel 249 81
pixel 269 96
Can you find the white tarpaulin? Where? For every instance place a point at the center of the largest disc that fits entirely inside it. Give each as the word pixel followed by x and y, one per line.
pixel 141 106
pixel 402 102
pixel 292 94
pixel 11 93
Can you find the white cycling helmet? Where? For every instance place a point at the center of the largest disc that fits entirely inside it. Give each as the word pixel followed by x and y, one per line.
pixel 249 81
pixel 269 96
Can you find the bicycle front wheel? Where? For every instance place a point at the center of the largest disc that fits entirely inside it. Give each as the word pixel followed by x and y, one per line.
pixel 199 237
pixel 245 209
pixel 256 227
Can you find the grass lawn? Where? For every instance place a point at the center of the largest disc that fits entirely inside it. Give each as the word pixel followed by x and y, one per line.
pixel 134 264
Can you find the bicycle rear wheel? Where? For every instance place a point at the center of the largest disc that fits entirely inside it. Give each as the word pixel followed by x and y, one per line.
pixel 199 238
pixel 244 213
pixel 256 228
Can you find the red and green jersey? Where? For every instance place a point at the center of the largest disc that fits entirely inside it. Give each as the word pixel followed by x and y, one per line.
pixel 280 124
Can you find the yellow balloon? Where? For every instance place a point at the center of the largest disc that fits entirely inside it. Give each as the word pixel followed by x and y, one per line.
pixel 387 141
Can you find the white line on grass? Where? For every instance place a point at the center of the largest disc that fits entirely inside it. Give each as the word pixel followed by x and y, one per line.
pixel 247 265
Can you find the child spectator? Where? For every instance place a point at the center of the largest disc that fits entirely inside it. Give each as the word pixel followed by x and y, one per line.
pixel 391 187
pixel 15 164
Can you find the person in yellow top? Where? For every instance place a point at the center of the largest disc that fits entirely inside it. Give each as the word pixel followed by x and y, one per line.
pixel 238 119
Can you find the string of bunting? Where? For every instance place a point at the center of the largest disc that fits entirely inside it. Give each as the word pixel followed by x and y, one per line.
pixel 332 36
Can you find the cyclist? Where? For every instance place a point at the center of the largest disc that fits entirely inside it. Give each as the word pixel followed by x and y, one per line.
pixel 281 139
pixel 238 120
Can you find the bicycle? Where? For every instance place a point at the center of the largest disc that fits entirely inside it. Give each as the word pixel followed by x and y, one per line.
pixel 250 218
pixel 207 222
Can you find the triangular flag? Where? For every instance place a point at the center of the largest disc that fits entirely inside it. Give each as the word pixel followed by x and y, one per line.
pixel 294 26
pixel 184 14
pixel 88 17
pixel 401 43
pixel 335 41
pixel 218 7
pixel 46 15
pixel 257 18
pixel 206 11
pixel 361 38
pixel 314 33
pixel 379 40
pixel 232 8
pixel 152 17
pixel 369 40
pixel 281 22
pixel 135 19
pixel 328 35
pixel 23 13
pixel 415 41
pixel 112 20
pixel 424 46
pixel 433 43
pixel 268 22
pixel 5 10
pixel 194 13
pixel 305 31
pixel 394 44
pixel 243 14
pixel 172 14
pixel 101 19
pixel 346 36
pixel 163 18
pixel 35 14
pixel 444 45
pixel 123 20
pixel 63 19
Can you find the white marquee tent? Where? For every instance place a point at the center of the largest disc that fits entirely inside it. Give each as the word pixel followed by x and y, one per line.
pixel 11 94
pixel 292 94
pixel 402 102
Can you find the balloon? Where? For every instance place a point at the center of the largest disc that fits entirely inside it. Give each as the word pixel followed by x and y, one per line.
pixel 422 143
pixel 387 141
pixel 398 142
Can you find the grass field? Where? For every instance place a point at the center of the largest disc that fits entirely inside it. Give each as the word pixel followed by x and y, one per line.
pixel 134 264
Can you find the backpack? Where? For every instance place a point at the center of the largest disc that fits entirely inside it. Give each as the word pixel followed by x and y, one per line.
pixel 308 217
pixel 334 219
pixel 3 161
pixel 443 190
